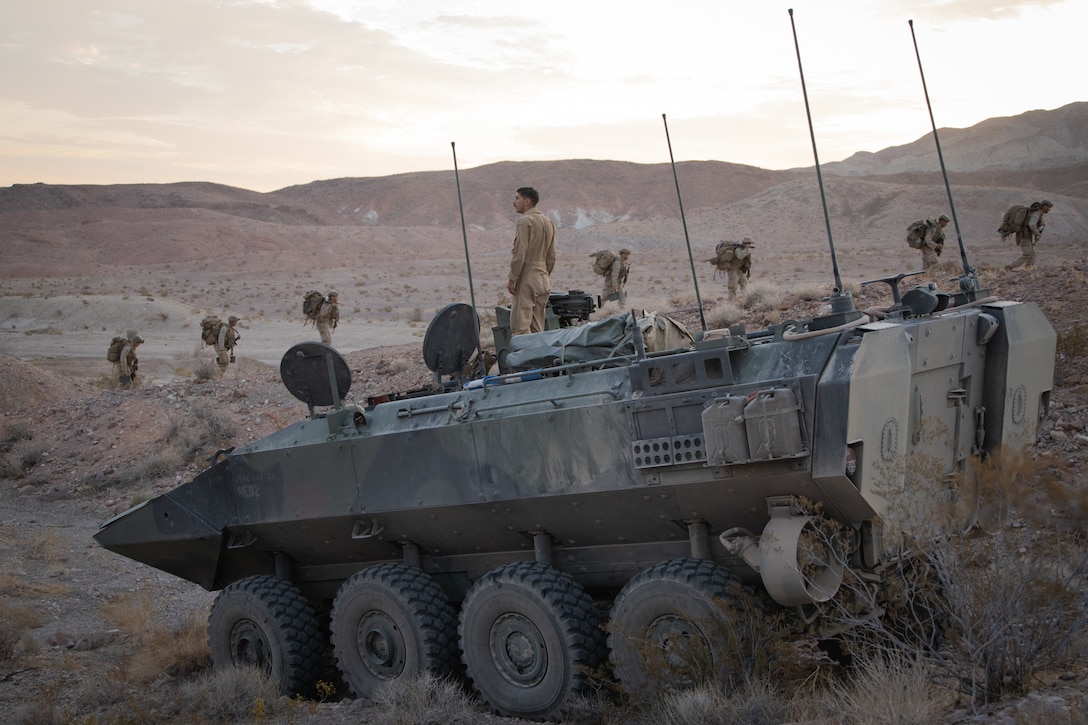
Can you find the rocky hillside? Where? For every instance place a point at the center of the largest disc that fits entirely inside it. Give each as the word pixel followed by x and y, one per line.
pixel 63 230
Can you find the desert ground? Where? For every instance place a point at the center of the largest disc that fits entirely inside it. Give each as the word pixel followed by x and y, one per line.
pixel 88 636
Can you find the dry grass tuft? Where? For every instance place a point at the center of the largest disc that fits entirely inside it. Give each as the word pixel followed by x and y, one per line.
pixel 761 297
pixel 15 620
pixel 424 699
pixel 160 649
pixel 895 690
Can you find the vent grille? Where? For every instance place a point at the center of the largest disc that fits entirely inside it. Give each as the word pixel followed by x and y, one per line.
pixel 668 451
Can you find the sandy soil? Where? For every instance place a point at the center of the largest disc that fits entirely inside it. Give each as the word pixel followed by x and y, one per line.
pixel 90 445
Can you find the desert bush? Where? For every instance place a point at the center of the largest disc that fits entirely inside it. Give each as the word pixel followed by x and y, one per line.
pixel 21 458
pixel 761 296
pixel 230 694
pixel 205 370
pixel 15 432
pixel 15 620
pixel 1009 600
pixel 1017 607
pixel 810 294
pixel 755 704
pixel 423 699
pixel 1072 346
pixel 891 690
pixel 160 648
pixel 724 315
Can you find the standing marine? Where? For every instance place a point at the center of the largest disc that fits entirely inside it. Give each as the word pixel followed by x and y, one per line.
pixel 928 237
pixel 532 260
pixel 225 343
pixel 328 316
pixel 1027 236
pixel 735 260
pixel 615 279
pixel 127 363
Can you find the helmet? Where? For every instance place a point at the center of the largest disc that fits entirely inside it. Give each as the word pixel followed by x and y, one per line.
pixel 137 339
pixel 232 318
pixel 333 293
pixel 943 218
pixel 747 241
pixel 625 250
pixel 1045 202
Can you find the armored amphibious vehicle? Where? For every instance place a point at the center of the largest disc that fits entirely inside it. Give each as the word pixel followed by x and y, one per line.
pixel 490 526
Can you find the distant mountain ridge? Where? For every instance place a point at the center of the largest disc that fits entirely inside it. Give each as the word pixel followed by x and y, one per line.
pixel 59 229
pixel 1032 140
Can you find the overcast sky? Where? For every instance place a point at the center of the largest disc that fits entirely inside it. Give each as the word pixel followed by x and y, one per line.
pixel 263 94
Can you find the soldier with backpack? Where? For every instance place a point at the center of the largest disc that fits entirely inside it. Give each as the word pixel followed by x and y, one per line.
pixel 1027 224
pixel 928 236
pixel 225 341
pixel 126 363
pixel 735 259
pixel 615 275
pixel 328 316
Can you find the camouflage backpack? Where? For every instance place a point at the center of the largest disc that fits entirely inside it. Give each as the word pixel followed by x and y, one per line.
pixel 116 345
pixel 1015 219
pixel 916 232
pixel 209 329
pixel 311 304
pixel 602 261
pixel 724 254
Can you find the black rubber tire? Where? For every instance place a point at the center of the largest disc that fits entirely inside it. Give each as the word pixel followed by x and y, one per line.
pixel 529 636
pixel 669 628
pixel 265 622
pixel 392 621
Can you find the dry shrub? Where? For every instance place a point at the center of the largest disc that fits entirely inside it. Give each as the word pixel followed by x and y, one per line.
pixel 159 648
pixel 756 704
pixel 724 315
pixel 894 690
pixel 811 294
pixel 423 699
pixel 400 365
pixel 205 370
pixel 226 694
pixel 15 620
pixel 1072 346
pixel 761 297
pixel 1010 597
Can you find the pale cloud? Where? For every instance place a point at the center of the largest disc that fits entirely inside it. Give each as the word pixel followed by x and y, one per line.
pixel 278 92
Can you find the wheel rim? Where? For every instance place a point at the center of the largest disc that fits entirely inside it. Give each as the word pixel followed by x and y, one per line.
pixel 683 647
pixel 249 646
pixel 518 650
pixel 381 645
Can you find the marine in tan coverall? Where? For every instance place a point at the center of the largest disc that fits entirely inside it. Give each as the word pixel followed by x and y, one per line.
pixel 532 260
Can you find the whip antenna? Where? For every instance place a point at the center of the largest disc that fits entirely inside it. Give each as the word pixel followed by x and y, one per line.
pixel 468 263
pixel 969 280
pixel 841 301
pixel 684 221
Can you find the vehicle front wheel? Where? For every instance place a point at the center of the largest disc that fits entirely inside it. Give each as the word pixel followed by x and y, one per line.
pixel 266 623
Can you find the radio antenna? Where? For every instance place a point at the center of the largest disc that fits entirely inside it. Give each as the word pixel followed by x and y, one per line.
pixel 842 303
pixel 684 221
pixel 969 281
pixel 468 264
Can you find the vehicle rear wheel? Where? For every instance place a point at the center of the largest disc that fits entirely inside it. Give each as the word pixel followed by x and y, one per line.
pixel 676 625
pixel 266 623
pixel 529 635
pixel 392 621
